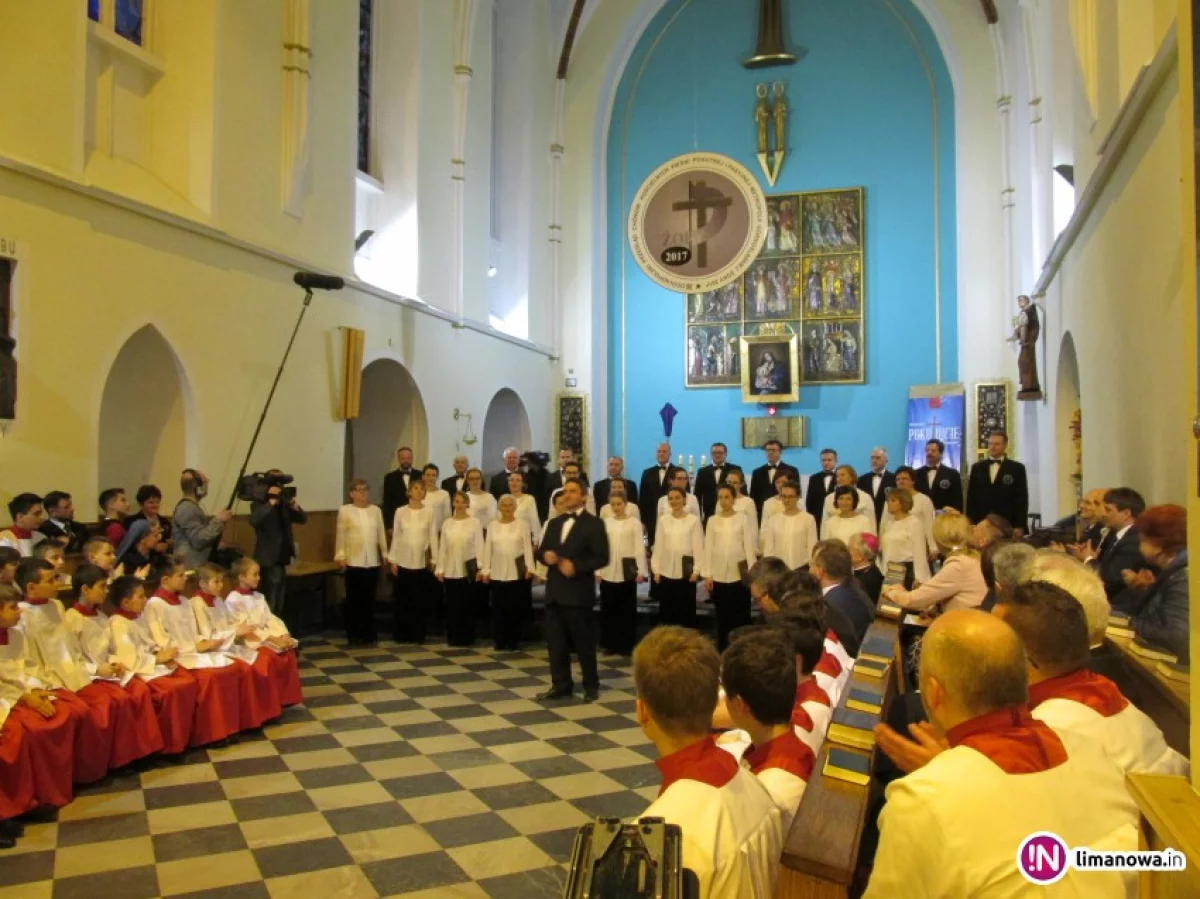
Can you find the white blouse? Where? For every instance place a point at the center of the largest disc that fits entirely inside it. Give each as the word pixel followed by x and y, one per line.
pixel 904 541
pixel 438 501
pixel 503 544
pixel 412 535
pixel 790 537
pixel 691 505
pixel 361 541
pixel 631 510
pixel 865 510
pixel 462 539
pixel 675 538
pixel 626 540
pixel 772 506
pixel 727 542
pixel 482 507
pixel 527 512
pixel 922 509
pixel 835 527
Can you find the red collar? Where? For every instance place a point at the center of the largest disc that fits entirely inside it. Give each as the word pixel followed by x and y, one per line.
pixel 85 610
pixel 1012 739
pixel 786 752
pixel 1083 686
pixel 701 761
pixel 29 600
pixel 801 718
pixel 831 637
pixel 828 664
pixel 21 533
pixel 810 691
pixel 3 636
pixel 209 599
pixel 244 591
pixel 171 599
pixel 125 613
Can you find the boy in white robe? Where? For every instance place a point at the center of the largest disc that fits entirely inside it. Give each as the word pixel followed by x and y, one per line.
pixel 264 631
pixel 954 825
pixel 28 514
pixel 731 827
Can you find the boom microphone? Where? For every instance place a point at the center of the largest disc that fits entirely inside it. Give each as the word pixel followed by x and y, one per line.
pixel 314 281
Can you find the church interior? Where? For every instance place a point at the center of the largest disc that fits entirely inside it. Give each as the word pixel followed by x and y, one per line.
pixel 348 239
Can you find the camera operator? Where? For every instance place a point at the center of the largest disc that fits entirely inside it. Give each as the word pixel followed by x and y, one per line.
pixel 196 532
pixel 533 465
pixel 274 547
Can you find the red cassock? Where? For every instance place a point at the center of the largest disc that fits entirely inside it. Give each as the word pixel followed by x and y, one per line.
pixel 286 671
pixel 218 703
pixel 16 771
pixel 49 744
pixel 258 695
pixel 174 697
pixel 97 709
pixel 133 723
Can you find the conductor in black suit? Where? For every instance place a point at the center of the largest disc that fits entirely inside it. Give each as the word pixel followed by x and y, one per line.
pixel 821 484
pixel 656 480
pixel 458 480
pixel 616 475
pixel 941 483
pixel 498 486
pixel 878 481
pixel 998 485
pixel 395 485
pixel 574 548
pixel 762 481
pixel 710 477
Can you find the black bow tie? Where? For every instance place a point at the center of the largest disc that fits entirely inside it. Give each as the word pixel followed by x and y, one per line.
pixel 571 515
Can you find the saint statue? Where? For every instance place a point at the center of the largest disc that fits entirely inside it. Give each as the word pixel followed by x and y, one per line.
pixel 1026 330
pixel 781 113
pixel 762 117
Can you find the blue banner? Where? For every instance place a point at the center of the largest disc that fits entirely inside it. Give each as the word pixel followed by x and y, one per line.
pixel 935 418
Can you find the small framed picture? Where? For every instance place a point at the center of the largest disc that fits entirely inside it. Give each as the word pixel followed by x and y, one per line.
pixel 769 372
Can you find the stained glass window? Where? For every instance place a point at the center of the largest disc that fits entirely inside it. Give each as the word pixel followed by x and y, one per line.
pixel 128 20
pixel 364 84
pixel 94 10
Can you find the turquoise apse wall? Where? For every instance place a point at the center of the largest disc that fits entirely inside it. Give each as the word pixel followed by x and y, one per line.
pixel 871 105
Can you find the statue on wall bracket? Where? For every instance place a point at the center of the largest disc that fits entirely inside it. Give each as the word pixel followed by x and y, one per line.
pixel 770 119
pixel 1026 330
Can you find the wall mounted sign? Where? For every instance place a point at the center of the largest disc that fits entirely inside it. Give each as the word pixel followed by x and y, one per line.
pixel 993 411
pixel 698 222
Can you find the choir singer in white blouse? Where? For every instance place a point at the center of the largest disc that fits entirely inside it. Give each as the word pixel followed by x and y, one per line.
pixel 677 561
pixel 728 554
pixel 618 579
pixel 792 534
pixel 459 548
pixel 904 543
pixel 507 565
pixel 360 547
pixel 414 547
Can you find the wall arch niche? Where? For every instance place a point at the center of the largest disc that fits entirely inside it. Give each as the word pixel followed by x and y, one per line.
pixel 391 415
pixel 1067 407
pixel 505 424
pixel 144 420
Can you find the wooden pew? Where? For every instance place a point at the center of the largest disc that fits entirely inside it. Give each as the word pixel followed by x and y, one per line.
pixel 1164 700
pixel 821 853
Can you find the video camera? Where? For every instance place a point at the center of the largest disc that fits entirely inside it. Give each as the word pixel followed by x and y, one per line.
pixel 643 859
pixel 253 488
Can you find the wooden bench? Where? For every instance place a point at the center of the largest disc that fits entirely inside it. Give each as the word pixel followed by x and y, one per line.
pixel 1166 701
pixel 821 853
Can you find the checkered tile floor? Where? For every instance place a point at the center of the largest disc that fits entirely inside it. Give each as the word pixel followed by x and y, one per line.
pixel 430 773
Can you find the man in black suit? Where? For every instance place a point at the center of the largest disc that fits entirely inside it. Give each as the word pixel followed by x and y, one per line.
pixel 710 477
pixel 458 480
pixel 941 483
pixel 821 484
pixel 565 457
pixel 997 485
pixel 1089 520
pixel 395 485
pixel 878 481
pixel 60 524
pixel 832 567
pixel 274 546
pixel 762 481
pixel 1119 551
pixel 616 475
pixel 498 486
pixel 656 480
pixel 574 549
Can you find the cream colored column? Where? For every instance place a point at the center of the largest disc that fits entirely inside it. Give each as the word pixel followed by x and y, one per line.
pixel 464 24
pixel 296 76
pixel 554 234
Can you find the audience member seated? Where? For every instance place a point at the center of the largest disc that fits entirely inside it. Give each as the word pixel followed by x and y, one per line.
pixel 832 568
pixel 864 550
pixel 1120 555
pixel 812 702
pixel 804 602
pixel 9 560
pixel 959 584
pixel 1082 582
pixel 60 525
pixel 149 500
pixel 1014 568
pixel 1162 622
pixel 28 514
pixel 1066 695
pixel 732 838
pixel 953 826
pixel 138 550
pixel 758 673
pixel 991 529
pixel 114 508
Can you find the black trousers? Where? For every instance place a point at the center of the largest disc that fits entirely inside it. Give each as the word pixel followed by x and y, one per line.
pixel 568 626
pixel 507 613
pixel 274 580
pixel 676 602
pixel 480 593
pixel 618 616
pixel 361 587
pixel 460 611
pixel 732 605
pixel 408 615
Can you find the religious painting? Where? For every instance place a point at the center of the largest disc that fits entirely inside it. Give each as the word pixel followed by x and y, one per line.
pixel 570 423
pixel 808 280
pixel 833 222
pixel 772 291
pixel 993 411
pixel 721 305
pixel 790 430
pixel 769 372
pixel 832 352
pixel 713 358
pixel 783 220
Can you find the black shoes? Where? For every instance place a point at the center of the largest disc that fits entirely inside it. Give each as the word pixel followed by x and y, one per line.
pixel 591 696
pixel 555 694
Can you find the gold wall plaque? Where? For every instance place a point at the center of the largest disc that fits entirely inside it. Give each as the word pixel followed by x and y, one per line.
pixel 790 430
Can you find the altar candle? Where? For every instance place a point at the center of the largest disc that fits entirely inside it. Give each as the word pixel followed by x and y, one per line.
pixel 703 460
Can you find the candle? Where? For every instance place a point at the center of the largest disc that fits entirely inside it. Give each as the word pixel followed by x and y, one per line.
pixel 703 460
pixel 691 461
pixel 681 460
